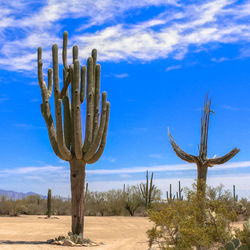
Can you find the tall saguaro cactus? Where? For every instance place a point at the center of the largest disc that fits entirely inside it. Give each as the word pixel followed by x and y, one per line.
pixel 201 160
pixel 66 138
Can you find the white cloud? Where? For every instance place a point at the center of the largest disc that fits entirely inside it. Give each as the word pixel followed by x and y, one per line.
pixel 28 170
pixel 167 35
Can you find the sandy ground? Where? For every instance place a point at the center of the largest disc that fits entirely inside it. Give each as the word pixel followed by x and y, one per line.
pixel 31 232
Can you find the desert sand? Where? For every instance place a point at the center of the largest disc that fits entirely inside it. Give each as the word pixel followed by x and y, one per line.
pixel 32 232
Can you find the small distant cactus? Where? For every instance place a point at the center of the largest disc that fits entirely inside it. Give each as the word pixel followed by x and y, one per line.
pixel 169 193
pixel 148 190
pixel 49 203
pixel 235 196
pixel 178 195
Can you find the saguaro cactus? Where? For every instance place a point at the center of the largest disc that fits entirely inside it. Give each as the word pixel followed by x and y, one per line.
pixel 66 139
pixel 235 196
pixel 148 190
pixel 201 160
pixel 49 203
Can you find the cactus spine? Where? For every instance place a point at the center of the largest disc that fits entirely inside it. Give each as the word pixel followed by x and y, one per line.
pixel 201 160
pixel 49 203
pixel 66 138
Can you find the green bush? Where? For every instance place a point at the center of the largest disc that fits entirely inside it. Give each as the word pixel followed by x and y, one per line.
pixel 197 221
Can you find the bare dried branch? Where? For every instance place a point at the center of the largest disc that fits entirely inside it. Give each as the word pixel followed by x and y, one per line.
pixel 222 159
pixel 180 153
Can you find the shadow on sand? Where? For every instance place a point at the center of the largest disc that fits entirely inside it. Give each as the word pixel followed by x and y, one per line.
pixel 21 242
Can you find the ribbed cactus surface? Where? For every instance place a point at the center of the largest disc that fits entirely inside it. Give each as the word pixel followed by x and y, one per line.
pixel 80 83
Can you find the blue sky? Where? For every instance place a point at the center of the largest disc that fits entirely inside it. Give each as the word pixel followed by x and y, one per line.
pixel 159 59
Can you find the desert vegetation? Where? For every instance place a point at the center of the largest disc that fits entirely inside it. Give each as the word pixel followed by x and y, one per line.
pixel 198 221
pixel 203 219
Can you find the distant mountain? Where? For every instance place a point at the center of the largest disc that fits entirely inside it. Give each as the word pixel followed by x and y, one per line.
pixel 18 195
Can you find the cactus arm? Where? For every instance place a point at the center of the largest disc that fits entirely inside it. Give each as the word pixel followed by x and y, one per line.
pixel 65 65
pixel 180 153
pixel 64 151
pixel 49 82
pixel 72 142
pixel 64 54
pixel 66 115
pixel 39 65
pixel 99 152
pixel 83 79
pixel 77 111
pixel 90 103
pixel 204 128
pixel 93 147
pixel 97 100
pixel 94 56
pixel 45 107
pixel 223 159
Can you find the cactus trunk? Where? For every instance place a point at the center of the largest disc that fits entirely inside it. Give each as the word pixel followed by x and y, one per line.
pixel 77 177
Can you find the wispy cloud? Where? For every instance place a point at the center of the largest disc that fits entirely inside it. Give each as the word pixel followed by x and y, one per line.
pixel 173 67
pixel 28 126
pixel 229 107
pixel 28 170
pixel 156 156
pixel 166 168
pixel 168 34
pixel 123 75
pixel 57 177
pixel 221 59
pixel 131 170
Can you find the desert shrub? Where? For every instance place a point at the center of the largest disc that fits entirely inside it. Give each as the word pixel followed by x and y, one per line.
pixel 115 202
pixel 241 207
pixel 132 199
pixel 95 204
pixel 198 221
pixel 33 204
pixel 61 207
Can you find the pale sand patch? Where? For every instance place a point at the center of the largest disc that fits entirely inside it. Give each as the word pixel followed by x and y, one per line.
pixel 31 233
